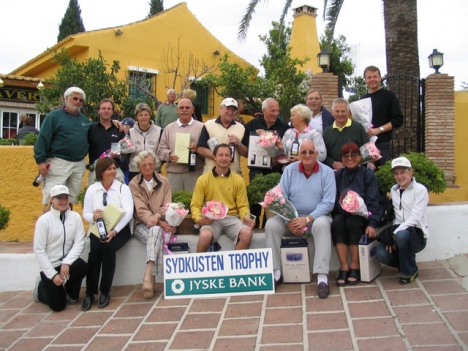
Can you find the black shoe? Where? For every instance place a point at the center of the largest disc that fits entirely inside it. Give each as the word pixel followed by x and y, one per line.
pixel 87 302
pixel 103 300
pixel 323 290
pixel 278 282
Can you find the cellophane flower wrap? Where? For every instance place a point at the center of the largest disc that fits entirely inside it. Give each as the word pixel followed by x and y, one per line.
pixel 214 210
pixel 275 202
pixel 175 214
pixel 361 111
pixel 267 140
pixel 369 152
pixel 126 146
pixel 353 203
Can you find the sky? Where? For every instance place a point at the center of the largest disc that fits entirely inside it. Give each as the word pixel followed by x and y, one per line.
pixel 31 26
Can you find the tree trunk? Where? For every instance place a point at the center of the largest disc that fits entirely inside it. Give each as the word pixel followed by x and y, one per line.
pixel 401 36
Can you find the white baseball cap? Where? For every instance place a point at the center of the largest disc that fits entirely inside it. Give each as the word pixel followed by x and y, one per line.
pixel 59 190
pixel 401 162
pixel 229 102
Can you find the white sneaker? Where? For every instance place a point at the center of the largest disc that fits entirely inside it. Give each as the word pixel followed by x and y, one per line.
pixel 36 289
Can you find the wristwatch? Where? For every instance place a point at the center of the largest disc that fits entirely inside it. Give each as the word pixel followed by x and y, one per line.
pixel 307 219
pixel 382 129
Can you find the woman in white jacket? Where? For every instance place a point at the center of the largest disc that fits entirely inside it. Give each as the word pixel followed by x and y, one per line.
pixel 409 233
pixel 107 190
pixel 59 241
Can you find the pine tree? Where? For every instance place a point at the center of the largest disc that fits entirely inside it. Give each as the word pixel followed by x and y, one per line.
pixel 71 21
pixel 156 6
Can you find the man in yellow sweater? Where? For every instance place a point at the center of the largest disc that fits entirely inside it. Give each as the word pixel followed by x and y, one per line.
pixel 223 185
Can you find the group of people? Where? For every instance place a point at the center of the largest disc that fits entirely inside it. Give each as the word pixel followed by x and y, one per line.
pixel 312 186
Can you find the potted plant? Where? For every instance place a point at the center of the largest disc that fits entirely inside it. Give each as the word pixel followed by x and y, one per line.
pixel 260 185
pixel 424 170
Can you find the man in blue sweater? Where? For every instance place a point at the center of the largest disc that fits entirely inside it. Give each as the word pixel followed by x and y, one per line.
pixel 310 186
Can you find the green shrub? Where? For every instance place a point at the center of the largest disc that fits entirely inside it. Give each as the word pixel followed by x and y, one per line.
pixel 81 195
pixel 4 217
pixel 424 170
pixel 7 141
pixel 260 185
pixel 183 196
pixel 30 139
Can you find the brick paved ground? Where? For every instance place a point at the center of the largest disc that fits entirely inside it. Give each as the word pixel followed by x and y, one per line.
pixel 430 314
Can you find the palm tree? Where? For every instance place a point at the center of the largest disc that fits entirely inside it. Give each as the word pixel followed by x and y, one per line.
pixel 401 30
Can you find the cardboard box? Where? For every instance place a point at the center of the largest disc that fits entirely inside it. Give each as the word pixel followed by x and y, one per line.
pixel 295 260
pixel 178 248
pixel 370 266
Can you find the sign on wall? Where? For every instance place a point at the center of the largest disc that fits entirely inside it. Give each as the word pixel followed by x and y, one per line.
pixel 223 273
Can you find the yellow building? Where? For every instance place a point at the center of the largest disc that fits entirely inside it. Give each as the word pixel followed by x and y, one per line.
pixel 153 48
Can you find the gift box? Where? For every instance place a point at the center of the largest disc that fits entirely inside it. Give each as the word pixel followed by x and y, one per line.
pixel 295 260
pixel 370 266
pixel 178 248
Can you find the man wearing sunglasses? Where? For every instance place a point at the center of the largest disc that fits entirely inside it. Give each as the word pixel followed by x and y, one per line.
pixel 311 188
pixel 342 131
pixel 181 176
pixel 62 145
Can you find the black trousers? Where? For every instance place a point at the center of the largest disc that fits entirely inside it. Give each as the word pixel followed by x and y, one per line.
pixel 104 255
pixel 347 229
pixel 55 296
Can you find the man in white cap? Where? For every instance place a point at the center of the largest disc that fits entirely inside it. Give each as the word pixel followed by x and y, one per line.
pixel 59 241
pixel 223 129
pixel 408 235
pixel 62 145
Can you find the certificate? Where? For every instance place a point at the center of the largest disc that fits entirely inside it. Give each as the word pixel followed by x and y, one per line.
pixel 112 215
pixel 182 142
pixel 258 156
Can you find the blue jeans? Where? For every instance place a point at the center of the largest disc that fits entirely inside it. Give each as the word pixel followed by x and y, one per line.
pixel 404 257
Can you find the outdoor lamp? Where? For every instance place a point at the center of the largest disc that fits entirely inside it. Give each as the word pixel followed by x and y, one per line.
pixel 1 83
pixel 324 60
pixel 40 86
pixel 436 60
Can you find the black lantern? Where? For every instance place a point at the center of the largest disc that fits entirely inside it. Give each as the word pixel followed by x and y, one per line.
pixel 436 60
pixel 323 60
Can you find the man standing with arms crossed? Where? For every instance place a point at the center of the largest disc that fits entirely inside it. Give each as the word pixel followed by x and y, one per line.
pixel 386 112
pixel 62 143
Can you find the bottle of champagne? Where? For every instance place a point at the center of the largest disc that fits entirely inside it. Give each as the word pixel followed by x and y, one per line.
pixel 101 226
pixel 295 146
pixel 233 151
pixel 39 179
pixel 192 161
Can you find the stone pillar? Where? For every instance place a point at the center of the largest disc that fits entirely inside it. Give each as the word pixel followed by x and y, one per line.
pixel 327 84
pixel 440 123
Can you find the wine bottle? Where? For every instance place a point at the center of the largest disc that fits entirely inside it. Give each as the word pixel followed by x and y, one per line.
pixel 295 146
pixel 233 151
pixel 192 161
pixel 39 178
pixel 101 226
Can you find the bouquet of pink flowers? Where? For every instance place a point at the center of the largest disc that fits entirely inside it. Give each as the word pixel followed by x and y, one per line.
pixel 276 202
pixel 267 141
pixel 175 214
pixel 369 152
pixel 214 210
pixel 351 202
pixel 126 146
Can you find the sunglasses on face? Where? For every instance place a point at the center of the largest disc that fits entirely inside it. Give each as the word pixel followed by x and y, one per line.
pixel 310 152
pixel 353 156
pixel 77 99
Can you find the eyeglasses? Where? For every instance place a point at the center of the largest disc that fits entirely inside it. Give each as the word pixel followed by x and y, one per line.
pixel 151 165
pixel 104 199
pixel 184 107
pixel 353 156
pixel 310 152
pixel 77 99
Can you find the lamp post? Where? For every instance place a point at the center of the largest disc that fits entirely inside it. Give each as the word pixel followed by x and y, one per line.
pixel 324 60
pixel 436 60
